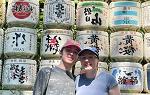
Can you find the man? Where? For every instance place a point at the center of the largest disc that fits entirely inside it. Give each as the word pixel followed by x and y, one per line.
pixel 59 80
pixel 90 82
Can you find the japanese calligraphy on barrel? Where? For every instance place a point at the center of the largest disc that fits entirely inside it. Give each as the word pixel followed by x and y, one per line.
pixel 98 39
pixel 24 13
pixel 145 6
pixel 20 42
pixel 49 63
pixel 52 41
pixel 124 15
pixel 92 15
pixel 129 76
pixel 15 92
pixel 2 12
pixel 19 74
pixel 126 46
pixel 147 77
pixel 59 14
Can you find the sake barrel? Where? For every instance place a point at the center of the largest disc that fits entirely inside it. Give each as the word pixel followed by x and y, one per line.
pixel 1 41
pixel 15 92
pixel 129 76
pixel 145 7
pixel 92 15
pixel 23 13
pixel 19 74
pixel 126 46
pixel 147 77
pixel 49 63
pixel 52 41
pixel 2 12
pixel 59 14
pixel 147 46
pixel 124 15
pixel 98 39
pixel 20 42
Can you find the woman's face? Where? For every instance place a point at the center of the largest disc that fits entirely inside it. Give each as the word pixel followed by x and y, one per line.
pixel 88 60
pixel 70 55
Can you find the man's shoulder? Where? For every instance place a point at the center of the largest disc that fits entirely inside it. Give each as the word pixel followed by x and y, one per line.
pixel 45 70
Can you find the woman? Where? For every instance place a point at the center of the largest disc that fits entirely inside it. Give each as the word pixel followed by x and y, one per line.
pixel 89 82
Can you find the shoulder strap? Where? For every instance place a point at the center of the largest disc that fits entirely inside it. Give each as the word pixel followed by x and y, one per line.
pixel 77 81
pixel 49 74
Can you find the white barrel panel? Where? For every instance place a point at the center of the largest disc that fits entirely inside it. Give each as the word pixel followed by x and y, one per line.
pixel 20 42
pixel 129 76
pixel 98 39
pixel 126 46
pixel 125 15
pixel 92 15
pixel 24 13
pixel 19 74
pixel 52 41
pixel 59 14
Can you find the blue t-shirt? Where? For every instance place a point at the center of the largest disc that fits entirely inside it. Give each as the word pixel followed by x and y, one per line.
pixel 96 86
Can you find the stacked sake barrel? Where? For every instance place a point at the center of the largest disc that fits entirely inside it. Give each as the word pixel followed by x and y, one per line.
pixel 20 47
pixel 145 7
pixel 59 17
pixel 126 46
pixel 92 23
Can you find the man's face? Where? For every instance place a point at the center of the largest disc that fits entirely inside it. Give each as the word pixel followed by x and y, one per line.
pixel 88 60
pixel 70 54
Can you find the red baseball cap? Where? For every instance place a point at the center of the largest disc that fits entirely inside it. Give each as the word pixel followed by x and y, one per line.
pixel 70 43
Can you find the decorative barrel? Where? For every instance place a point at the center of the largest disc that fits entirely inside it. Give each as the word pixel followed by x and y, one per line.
pixel 24 13
pixel 52 41
pixel 92 15
pixel 126 46
pixel 59 14
pixel 147 77
pixel 20 42
pixel 98 39
pixel 147 46
pixel 129 76
pixel 2 12
pixel 124 15
pixel 145 7
pixel 15 92
pixel 1 41
pixel 19 74
pixel 49 63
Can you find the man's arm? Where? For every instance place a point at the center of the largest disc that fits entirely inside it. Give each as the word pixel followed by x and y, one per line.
pixel 41 81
